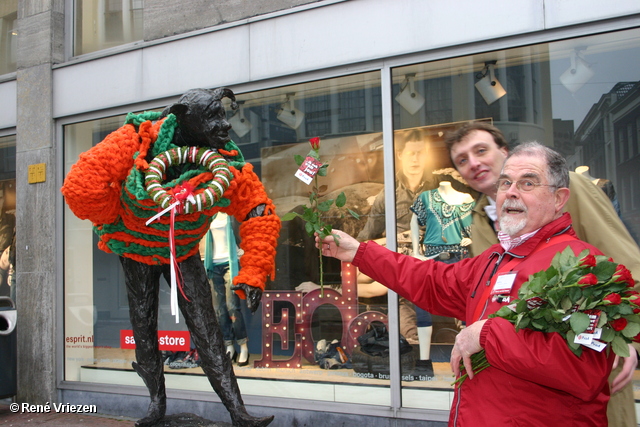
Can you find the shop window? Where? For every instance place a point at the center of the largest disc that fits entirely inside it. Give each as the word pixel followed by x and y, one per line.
pixel 587 115
pixel 589 119
pixel 101 24
pixel 293 335
pixel 8 36
pixel 7 216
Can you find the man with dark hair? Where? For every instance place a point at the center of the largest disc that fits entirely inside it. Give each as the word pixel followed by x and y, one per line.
pixel 533 377
pixel 478 151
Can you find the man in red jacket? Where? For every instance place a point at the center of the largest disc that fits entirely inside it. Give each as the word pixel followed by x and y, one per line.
pixel 478 151
pixel 533 375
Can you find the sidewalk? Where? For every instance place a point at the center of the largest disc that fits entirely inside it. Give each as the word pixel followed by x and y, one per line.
pixel 62 419
pixel 9 418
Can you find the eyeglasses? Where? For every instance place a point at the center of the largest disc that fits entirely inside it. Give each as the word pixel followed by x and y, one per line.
pixel 524 185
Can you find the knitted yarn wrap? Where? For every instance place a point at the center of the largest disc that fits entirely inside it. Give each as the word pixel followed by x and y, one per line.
pixel 106 186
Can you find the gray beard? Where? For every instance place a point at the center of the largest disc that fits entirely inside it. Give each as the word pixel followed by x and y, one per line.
pixel 512 227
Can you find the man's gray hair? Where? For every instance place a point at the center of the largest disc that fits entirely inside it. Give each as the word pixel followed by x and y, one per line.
pixel 557 169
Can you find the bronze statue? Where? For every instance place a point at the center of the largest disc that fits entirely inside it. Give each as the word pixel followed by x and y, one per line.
pixel 115 184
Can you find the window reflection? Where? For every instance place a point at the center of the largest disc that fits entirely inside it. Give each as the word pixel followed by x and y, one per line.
pixel 580 96
pixel 8 35
pixel 101 24
pixel 296 333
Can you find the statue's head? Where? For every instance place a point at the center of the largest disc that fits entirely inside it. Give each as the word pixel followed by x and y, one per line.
pixel 202 120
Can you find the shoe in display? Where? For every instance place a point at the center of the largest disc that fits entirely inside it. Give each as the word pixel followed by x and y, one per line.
pixel 423 370
pixel 190 360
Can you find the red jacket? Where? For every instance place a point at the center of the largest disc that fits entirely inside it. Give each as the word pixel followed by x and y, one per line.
pixel 534 379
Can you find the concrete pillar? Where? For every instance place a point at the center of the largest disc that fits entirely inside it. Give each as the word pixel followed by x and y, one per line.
pixel 40 44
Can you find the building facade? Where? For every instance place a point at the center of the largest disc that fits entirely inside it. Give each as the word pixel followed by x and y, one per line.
pixel 361 75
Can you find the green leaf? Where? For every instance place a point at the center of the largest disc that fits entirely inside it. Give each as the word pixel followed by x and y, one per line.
pixel 310 216
pixel 536 284
pixel 604 270
pixel 299 159
pixel 608 334
pixel 564 259
pixel 523 322
pixel 579 322
pixel 323 170
pixel 603 319
pixel 341 200
pixel 625 309
pixel 325 205
pixel 571 336
pixel 504 312
pixel 631 330
pixel 620 347
pixel 353 214
pixel 309 228
pixel 289 216
pixel 575 294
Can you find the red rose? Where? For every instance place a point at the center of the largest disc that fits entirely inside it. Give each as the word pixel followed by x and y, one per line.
pixel 315 143
pixel 622 275
pixel 632 296
pixel 636 338
pixel 634 299
pixel 613 299
pixel 619 324
pixel 588 280
pixel 587 261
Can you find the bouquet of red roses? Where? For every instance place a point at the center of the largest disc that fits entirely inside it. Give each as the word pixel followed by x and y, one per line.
pixel 587 299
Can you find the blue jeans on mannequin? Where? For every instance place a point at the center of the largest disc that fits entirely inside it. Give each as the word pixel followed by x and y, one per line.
pixel 227 306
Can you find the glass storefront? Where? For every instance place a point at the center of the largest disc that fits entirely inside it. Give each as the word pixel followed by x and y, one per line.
pixel 7 216
pixel 101 24
pixel 270 127
pixel 580 96
pixel 8 36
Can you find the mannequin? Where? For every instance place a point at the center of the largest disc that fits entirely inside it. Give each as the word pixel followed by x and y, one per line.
pixel 221 264
pixel 604 184
pixel 446 215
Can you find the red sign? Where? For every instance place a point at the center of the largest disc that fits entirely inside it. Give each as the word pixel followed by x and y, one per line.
pixel 167 340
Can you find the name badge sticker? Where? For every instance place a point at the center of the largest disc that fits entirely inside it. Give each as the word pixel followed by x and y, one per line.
pixel 584 339
pixel 596 345
pixel 504 283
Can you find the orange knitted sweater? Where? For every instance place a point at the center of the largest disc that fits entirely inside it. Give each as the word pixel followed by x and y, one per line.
pixel 106 186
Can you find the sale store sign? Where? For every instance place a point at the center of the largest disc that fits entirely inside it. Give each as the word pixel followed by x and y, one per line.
pixel 167 340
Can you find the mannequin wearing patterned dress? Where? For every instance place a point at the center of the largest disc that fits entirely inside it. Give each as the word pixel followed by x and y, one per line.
pixel 446 215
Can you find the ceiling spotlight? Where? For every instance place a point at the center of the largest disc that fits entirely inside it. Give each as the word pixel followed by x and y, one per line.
pixel 488 86
pixel 289 114
pixel 578 74
pixel 239 123
pixel 410 100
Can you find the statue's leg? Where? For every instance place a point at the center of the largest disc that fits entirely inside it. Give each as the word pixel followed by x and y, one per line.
pixel 207 337
pixel 143 285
